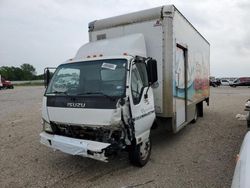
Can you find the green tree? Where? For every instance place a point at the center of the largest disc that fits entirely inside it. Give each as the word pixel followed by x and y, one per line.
pixel 29 71
pixel 24 72
pixel 28 68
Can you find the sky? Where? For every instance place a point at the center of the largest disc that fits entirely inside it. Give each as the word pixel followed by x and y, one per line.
pixel 45 33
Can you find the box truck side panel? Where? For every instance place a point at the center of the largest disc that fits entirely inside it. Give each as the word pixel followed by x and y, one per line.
pixel 152 31
pixel 191 68
pixel 183 73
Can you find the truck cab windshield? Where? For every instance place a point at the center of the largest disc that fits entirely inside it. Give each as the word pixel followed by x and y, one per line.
pixel 100 77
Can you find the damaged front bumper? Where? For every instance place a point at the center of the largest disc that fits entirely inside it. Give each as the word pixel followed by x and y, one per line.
pixel 73 146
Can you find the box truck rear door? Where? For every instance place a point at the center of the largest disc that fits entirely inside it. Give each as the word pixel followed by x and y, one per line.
pixel 180 86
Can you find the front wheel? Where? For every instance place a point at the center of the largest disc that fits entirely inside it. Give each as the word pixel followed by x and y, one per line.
pixel 140 153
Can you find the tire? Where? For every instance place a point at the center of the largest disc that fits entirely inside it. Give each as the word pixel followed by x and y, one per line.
pixel 248 123
pixel 136 157
pixel 195 116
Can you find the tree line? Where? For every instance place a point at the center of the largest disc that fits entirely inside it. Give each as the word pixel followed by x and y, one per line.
pixel 24 72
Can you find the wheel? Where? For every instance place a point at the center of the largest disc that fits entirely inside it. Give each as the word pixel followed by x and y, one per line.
pixel 195 116
pixel 248 123
pixel 140 153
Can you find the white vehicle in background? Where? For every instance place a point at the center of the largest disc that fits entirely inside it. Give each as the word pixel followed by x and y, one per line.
pixel 242 170
pixel 141 68
pixel 241 178
pixel 224 82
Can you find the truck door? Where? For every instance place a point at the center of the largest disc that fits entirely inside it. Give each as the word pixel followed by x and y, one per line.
pixel 180 85
pixel 141 101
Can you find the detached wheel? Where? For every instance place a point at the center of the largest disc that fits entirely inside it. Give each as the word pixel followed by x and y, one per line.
pixel 140 154
pixel 195 116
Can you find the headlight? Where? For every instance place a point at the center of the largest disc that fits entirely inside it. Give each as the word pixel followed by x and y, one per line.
pixel 47 127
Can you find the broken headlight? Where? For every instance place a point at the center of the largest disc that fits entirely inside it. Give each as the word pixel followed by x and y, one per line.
pixel 47 127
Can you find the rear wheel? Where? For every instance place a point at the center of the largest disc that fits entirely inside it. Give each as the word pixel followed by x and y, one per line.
pixel 140 153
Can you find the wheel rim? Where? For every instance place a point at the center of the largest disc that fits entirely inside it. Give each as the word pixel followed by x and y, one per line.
pixel 145 149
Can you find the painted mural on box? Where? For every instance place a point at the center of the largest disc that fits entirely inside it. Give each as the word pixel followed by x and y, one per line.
pixel 197 76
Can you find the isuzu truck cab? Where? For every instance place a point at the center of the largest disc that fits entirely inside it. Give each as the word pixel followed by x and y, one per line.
pixel 99 105
pixel 144 68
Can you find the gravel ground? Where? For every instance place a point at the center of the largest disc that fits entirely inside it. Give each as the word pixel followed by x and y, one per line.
pixel 200 155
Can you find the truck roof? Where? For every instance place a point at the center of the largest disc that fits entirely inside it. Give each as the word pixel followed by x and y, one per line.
pixel 135 17
pixel 133 44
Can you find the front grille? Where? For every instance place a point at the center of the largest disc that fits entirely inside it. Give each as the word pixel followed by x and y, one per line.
pixel 75 131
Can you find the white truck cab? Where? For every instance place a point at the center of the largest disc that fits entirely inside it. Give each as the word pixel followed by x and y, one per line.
pixel 95 106
pixel 138 69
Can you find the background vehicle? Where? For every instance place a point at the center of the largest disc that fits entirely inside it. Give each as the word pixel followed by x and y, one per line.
pixel 138 69
pixel 218 82
pixel 1 84
pixel 224 82
pixel 213 82
pixel 242 170
pixel 242 81
pixel 5 83
pixel 247 108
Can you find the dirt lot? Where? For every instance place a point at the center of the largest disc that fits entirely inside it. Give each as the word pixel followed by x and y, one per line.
pixel 201 155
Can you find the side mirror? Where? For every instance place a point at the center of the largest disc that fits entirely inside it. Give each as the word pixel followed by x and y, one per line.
pixel 152 71
pixel 47 75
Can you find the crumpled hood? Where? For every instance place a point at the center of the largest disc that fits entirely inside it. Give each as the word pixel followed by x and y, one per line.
pixel 82 116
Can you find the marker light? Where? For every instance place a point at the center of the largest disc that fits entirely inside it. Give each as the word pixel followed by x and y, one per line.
pixel 125 53
pixel 94 55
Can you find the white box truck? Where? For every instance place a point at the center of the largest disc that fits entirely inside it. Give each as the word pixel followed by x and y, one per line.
pixel 140 69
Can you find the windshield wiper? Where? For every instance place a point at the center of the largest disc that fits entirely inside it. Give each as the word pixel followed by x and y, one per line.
pixel 58 92
pixel 98 93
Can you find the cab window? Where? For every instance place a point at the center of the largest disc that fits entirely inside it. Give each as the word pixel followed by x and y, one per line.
pixel 139 81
